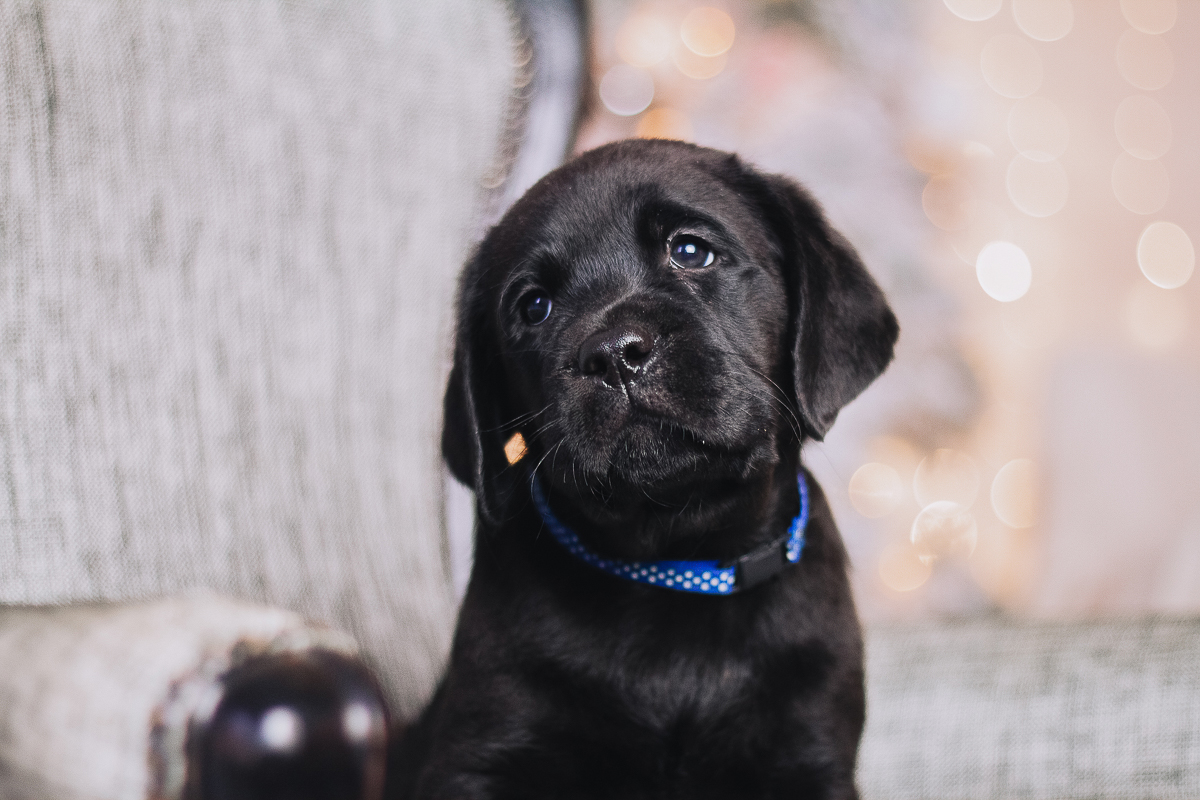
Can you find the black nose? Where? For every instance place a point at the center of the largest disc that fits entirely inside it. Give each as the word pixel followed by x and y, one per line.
pixel 616 356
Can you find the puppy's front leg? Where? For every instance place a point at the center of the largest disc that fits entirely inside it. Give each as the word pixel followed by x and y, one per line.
pixel 457 750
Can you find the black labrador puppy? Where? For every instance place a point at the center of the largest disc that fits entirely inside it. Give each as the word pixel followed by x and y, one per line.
pixel 659 606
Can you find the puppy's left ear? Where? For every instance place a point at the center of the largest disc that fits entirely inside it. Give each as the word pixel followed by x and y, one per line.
pixel 842 330
pixel 472 415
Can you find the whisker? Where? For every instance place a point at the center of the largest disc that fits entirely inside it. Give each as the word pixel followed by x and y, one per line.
pixel 518 420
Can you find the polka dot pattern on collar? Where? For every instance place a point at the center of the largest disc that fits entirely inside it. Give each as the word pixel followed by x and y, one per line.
pixel 701 577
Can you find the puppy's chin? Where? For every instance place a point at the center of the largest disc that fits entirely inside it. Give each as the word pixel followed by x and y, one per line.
pixel 660 455
pixel 657 440
pixel 651 467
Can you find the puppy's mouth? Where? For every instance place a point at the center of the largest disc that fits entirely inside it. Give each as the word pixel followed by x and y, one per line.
pixel 653 427
pixel 648 450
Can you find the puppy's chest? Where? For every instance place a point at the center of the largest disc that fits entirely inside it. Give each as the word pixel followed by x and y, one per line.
pixel 676 728
pixel 675 697
pixel 662 694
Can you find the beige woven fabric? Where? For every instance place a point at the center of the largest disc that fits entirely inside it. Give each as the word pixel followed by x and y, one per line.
pixel 999 709
pixel 229 234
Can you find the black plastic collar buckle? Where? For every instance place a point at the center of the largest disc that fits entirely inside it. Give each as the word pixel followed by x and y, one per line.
pixel 759 566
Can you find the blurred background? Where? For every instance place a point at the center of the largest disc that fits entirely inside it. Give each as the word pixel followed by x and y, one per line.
pixel 1021 176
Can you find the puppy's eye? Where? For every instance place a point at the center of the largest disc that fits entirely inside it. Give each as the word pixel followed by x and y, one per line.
pixel 535 306
pixel 689 252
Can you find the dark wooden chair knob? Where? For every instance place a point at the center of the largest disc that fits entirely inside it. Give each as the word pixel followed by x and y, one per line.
pixel 292 726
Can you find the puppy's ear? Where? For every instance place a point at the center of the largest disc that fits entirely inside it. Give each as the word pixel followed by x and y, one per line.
pixel 472 417
pixel 842 330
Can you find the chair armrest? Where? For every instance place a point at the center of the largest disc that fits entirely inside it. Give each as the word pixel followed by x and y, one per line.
pixel 96 702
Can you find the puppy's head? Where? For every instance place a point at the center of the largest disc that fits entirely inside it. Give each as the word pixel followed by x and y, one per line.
pixel 663 325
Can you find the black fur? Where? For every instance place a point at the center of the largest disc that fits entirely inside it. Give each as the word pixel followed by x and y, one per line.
pixel 565 682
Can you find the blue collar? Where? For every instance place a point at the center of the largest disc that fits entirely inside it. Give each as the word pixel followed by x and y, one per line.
pixel 701 577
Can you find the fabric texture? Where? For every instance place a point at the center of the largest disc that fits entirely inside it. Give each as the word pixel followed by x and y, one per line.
pixel 993 708
pixel 229 235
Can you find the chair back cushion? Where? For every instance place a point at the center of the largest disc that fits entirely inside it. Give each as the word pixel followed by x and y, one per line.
pixel 229 235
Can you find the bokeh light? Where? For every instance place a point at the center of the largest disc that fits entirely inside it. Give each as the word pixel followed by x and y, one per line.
pixel 1003 271
pixel 698 67
pixel 946 474
pixel 644 39
pixel 1143 127
pixel 1156 318
pixel 1014 493
pixel 876 490
pixel 1140 186
pixel 626 90
pixel 1039 188
pixel 947 202
pixel 1044 20
pixel 974 10
pixel 944 529
pixel 665 123
pixel 1038 129
pixel 1146 61
pixel 901 569
pixel 1166 255
pixel 1150 16
pixel 1011 66
pixel 707 31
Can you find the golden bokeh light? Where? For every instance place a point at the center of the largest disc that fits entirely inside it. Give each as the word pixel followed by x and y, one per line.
pixel 644 39
pixel 707 31
pixel 1039 188
pixel 876 490
pixel 1014 493
pixel 1150 16
pixel 944 529
pixel 699 67
pixel 974 10
pixel 1145 60
pixel 1038 129
pixel 1156 318
pixel 947 202
pixel 1143 127
pixel 946 474
pixel 900 568
pixel 1044 20
pixel 1166 255
pixel 1004 271
pixel 1011 66
pixel 665 123
pixel 1141 186
pixel 626 90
